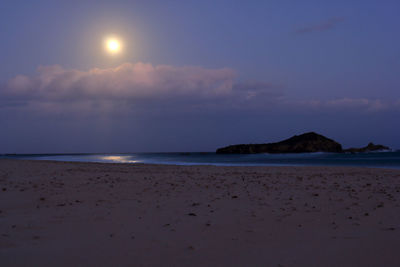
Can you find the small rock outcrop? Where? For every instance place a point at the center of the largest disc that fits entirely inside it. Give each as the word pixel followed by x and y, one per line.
pixel 371 147
pixel 304 143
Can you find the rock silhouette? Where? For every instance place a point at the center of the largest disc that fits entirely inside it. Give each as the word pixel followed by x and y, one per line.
pixel 369 148
pixel 304 143
pixel 307 142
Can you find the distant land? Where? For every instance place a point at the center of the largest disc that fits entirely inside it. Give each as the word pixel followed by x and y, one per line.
pixel 370 147
pixel 304 143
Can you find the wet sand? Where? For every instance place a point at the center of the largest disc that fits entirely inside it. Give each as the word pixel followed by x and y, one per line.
pixel 93 214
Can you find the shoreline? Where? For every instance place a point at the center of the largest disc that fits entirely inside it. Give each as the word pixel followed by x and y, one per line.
pixel 89 213
pixel 210 165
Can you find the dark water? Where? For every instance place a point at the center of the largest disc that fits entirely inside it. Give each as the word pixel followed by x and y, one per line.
pixel 376 159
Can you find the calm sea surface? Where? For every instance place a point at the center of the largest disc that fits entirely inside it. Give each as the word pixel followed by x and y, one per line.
pixel 376 159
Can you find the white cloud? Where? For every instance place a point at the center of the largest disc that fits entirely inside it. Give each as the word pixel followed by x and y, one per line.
pixel 125 81
pixel 57 89
pixel 145 87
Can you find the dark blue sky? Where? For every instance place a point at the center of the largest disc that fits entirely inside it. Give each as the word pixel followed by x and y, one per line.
pixel 233 72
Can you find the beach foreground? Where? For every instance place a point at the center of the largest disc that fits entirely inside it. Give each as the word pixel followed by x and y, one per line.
pixel 80 214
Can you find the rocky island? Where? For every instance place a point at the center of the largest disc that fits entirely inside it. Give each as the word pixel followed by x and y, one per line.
pixel 304 143
pixel 369 148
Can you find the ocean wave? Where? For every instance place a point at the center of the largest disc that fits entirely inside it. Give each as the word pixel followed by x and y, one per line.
pixel 386 159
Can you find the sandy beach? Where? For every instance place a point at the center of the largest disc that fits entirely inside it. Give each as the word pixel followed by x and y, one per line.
pixel 97 214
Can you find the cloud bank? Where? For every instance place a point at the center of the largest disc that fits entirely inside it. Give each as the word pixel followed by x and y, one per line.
pixel 125 81
pixel 144 87
pixel 54 87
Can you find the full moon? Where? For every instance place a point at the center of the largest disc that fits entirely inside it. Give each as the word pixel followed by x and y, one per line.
pixel 113 46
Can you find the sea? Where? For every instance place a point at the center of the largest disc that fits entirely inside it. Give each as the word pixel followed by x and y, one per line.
pixel 389 159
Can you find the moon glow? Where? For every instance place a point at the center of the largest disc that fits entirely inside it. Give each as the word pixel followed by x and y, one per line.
pixel 113 45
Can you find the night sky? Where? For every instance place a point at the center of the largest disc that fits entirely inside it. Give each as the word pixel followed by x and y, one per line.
pixel 196 75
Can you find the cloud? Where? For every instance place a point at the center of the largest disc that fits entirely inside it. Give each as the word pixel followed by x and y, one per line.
pixel 366 104
pixel 56 89
pixel 125 81
pixel 253 89
pixel 147 89
pixel 346 104
pixel 320 27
